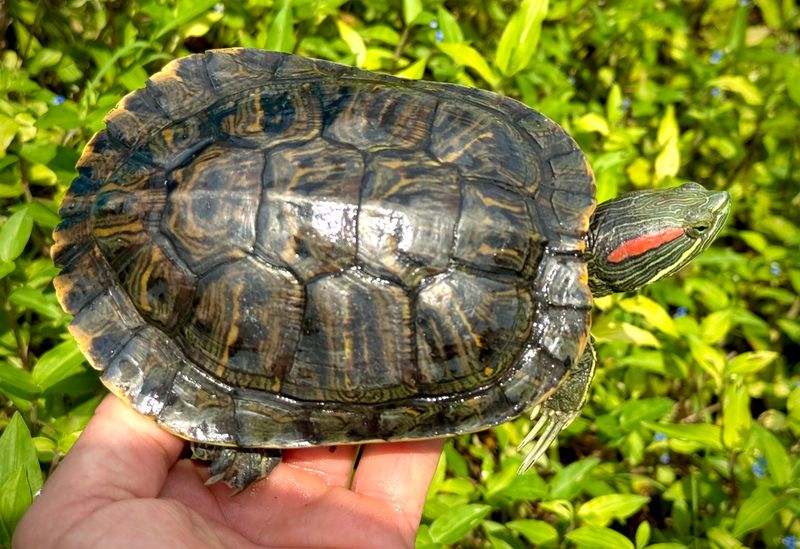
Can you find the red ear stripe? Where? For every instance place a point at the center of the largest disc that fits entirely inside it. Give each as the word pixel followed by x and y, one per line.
pixel 645 243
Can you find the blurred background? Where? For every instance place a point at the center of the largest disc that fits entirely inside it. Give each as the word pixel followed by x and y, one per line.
pixel 690 433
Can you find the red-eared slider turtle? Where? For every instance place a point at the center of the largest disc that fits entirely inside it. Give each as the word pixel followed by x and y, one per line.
pixel 264 251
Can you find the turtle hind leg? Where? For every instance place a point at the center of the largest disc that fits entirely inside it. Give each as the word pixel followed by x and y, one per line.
pixel 238 467
pixel 560 409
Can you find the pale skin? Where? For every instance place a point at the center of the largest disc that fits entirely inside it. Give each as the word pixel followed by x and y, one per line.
pixel 123 484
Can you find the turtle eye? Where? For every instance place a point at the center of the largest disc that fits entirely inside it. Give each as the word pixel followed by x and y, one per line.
pixel 698 230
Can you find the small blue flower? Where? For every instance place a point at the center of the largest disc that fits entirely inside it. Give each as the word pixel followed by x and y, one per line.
pixel 715 92
pixel 744 2
pixel 680 312
pixel 664 458
pixel 716 57
pixel 775 268
pixel 626 103
pixel 439 35
pixel 434 24
pixel 760 467
pixel 659 437
pixel 790 542
pixel 58 99
pixel 219 7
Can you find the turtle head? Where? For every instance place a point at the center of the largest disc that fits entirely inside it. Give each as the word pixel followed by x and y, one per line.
pixel 643 236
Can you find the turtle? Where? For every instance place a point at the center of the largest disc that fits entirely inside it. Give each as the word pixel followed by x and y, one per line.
pixel 264 251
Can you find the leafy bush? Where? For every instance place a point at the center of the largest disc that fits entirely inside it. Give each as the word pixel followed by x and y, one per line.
pixel 691 429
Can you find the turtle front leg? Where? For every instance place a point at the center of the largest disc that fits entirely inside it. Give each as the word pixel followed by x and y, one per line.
pixel 238 467
pixel 558 411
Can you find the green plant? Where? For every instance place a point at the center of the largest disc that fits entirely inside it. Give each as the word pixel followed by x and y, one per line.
pixel 690 435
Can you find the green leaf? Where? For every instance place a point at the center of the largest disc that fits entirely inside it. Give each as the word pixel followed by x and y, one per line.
pixel 634 412
pixel 468 56
pixel 14 235
pixel 15 498
pixel 17 382
pixel 525 487
pixel 736 418
pixel 186 11
pixel 642 534
pixel 592 122
pixel 756 511
pixel 750 362
pixel 353 41
pixel 17 453
pixel 411 10
pixel 600 511
pixel 708 435
pixel 57 364
pixel 451 31
pixel 740 85
pixel 8 129
pixel 414 71
pixel 280 36
pixel 653 313
pixel 779 464
pixel 458 522
pixel 716 326
pixel 566 483
pixel 520 37
pixel 6 268
pixel 598 537
pixel 537 532
pixel 36 300
pixel 710 359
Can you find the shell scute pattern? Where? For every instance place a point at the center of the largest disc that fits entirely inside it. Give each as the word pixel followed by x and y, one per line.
pixel 310 245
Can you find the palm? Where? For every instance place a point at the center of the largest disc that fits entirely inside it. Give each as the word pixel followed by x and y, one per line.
pixel 123 485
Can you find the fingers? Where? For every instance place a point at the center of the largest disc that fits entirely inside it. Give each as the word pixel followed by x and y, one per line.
pixel 121 454
pixel 398 473
pixel 334 464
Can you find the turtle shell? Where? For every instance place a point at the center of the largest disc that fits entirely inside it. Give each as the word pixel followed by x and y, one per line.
pixel 264 250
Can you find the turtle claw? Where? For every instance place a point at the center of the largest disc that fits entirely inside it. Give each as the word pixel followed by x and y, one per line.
pixel 560 409
pixel 237 467
pixel 550 424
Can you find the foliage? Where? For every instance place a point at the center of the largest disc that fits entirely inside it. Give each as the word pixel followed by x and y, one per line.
pixel 691 431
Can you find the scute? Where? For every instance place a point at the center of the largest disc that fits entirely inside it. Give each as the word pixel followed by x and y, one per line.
pixel 265 250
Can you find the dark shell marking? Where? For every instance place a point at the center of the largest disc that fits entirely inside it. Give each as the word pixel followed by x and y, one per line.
pixel 265 250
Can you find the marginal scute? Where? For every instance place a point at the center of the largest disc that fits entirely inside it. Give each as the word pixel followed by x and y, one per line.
pixel 562 332
pixel 104 325
pixel 237 69
pixel 563 281
pixel 81 280
pixel 142 370
pixel 182 87
pixel 199 407
pixel 267 417
pixel 535 375
pixel 99 159
pixel 135 118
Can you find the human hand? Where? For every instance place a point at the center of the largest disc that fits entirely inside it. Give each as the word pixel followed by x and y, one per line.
pixel 123 485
